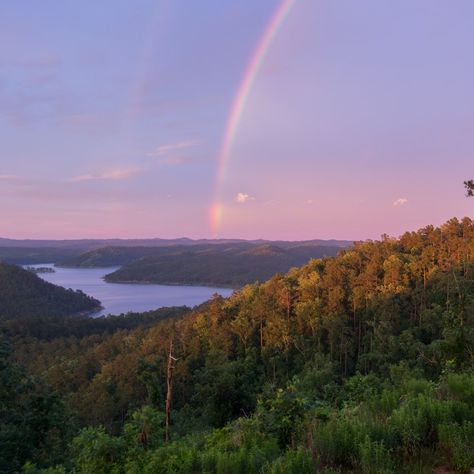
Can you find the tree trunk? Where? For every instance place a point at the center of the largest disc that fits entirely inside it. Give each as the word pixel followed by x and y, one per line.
pixel 169 393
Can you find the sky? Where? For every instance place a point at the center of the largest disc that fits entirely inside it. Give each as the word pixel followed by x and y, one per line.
pixel 357 117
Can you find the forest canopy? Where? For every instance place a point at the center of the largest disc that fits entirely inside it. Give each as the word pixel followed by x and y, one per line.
pixel 361 362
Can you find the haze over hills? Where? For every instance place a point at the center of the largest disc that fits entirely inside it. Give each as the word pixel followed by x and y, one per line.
pixel 85 244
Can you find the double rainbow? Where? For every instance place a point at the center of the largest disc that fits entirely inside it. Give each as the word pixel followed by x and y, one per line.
pixel 238 105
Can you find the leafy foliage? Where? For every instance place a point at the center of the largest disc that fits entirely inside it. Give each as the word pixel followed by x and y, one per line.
pixel 358 363
pixel 34 423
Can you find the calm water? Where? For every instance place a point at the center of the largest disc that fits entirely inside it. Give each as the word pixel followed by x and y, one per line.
pixel 119 298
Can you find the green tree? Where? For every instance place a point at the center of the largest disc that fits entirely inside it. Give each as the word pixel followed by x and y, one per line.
pixel 34 425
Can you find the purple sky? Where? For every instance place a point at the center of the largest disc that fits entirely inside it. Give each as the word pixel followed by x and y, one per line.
pixel 112 113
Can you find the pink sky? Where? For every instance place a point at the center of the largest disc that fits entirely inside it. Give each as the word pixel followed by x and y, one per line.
pixel 357 121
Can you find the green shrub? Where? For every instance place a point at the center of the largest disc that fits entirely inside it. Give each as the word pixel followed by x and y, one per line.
pixel 95 451
pixel 145 429
pixel 292 462
pixel 458 442
pixel 335 443
pixel 460 387
pixel 361 387
pixel 382 405
pixel 282 413
pixel 172 459
pixel 415 422
pixel 374 457
pixel 30 468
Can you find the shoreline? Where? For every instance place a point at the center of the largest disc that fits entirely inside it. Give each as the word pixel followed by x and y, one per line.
pixel 88 312
pixel 201 285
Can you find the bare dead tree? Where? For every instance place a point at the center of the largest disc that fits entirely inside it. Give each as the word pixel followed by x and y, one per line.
pixel 169 393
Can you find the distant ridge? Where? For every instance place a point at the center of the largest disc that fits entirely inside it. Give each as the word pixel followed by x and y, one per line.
pixel 69 252
pixel 89 244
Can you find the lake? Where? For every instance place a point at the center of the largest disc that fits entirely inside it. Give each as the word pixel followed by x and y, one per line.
pixel 117 298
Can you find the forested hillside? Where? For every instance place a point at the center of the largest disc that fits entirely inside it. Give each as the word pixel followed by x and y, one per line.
pixel 359 363
pixel 32 255
pixel 218 265
pixel 24 295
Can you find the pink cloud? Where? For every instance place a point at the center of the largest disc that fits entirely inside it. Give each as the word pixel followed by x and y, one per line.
pixel 242 198
pixel 400 202
pixel 112 175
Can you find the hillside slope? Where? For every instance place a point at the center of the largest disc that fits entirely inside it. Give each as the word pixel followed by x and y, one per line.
pixel 114 255
pixel 227 265
pixel 362 363
pixel 25 295
pixel 33 255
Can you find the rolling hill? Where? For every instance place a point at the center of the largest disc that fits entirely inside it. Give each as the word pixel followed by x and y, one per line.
pixel 222 265
pixel 24 295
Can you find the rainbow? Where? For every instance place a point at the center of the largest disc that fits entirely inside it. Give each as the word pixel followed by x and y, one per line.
pixel 238 104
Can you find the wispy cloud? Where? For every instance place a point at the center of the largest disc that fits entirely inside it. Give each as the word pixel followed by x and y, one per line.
pixel 242 198
pixel 165 150
pixel 400 202
pixel 175 160
pixel 171 154
pixel 110 175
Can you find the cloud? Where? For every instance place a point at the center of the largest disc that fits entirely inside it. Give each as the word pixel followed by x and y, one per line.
pixel 170 154
pixel 309 202
pixel 242 198
pixel 175 160
pixel 110 175
pixel 165 150
pixel 400 202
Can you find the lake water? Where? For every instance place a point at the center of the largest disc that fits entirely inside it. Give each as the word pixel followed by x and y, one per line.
pixel 117 298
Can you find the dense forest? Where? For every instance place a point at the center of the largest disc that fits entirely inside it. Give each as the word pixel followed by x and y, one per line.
pixel 218 265
pixel 24 295
pixel 48 328
pixel 363 363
